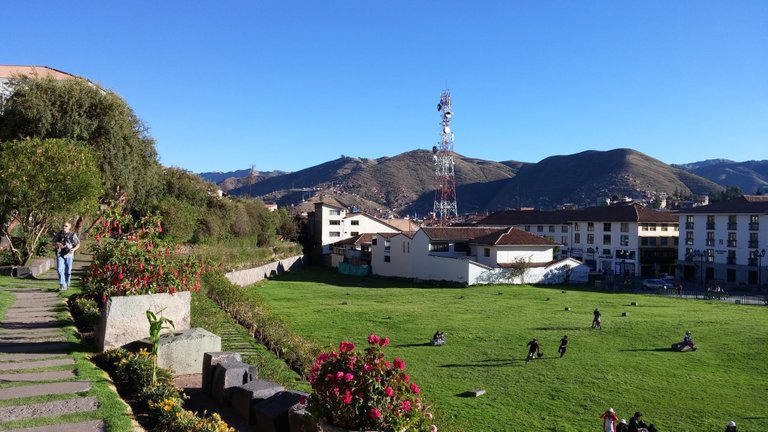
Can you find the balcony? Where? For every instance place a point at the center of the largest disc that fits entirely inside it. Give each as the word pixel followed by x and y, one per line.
pixel 710 242
pixel 752 262
pixel 731 243
pixel 754 244
pixel 710 225
pixel 732 226
pixel 731 260
pixel 754 226
pixel 689 225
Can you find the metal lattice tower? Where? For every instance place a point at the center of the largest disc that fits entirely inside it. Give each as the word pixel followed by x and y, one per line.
pixel 445 195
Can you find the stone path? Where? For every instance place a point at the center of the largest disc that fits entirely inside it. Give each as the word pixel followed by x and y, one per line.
pixel 37 370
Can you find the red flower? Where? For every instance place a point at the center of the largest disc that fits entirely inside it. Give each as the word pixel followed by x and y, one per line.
pixel 406 405
pixel 347 398
pixel 373 339
pixel 399 363
pixel 375 413
pixel 389 392
pixel 384 342
pixel 348 376
pixel 346 347
pixel 415 389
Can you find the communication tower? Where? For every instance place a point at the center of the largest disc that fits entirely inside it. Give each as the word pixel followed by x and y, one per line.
pixel 445 195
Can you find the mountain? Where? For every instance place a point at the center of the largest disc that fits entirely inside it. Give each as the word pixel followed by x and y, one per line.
pixel 235 179
pixel 405 184
pixel 749 176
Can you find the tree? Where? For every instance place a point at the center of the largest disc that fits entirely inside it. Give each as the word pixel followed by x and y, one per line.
pixel 519 268
pixel 43 180
pixel 79 110
pixel 729 193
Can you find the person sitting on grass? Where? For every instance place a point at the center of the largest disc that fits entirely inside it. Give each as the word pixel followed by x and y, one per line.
pixel 636 423
pixel 688 341
pixel 438 338
pixel 731 427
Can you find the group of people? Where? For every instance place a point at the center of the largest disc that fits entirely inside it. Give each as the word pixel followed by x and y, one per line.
pixel 534 348
pixel 611 423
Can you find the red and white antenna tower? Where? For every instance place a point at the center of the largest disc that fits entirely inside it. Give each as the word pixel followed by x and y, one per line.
pixel 445 195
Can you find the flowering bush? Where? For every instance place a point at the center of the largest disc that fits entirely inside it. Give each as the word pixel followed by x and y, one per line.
pixel 129 257
pixel 363 391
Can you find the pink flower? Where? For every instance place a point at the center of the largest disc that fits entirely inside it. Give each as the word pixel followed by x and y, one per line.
pixel 406 377
pixel 415 389
pixel 389 392
pixel 346 346
pixel 405 405
pixel 432 428
pixel 384 342
pixel 367 367
pixel 399 363
pixel 374 413
pixel 349 377
pixel 428 415
pixel 373 339
pixel 329 377
pixel 339 375
pixel 347 398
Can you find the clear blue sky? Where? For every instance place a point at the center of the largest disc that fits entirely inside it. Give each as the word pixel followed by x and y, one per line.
pixel 289 84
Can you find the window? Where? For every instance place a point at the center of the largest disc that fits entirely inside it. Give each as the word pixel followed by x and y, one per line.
pixel 375 241
pixel 590 239
pixel 486 252
pixel 564 240
pixel 334 212
pixel 540 228
pixel 564 228
pixel 403 247
pixel 731 239
pixel 354 222
pixel 551 228
pixel 730 275
pixel 710 256
pixel 387 245
pixel 334 222
pixel 576 226
pixel 754 222
pixel 590 226
pixel 334 234
pixel 732 222
pixel 386 258
pixel 409 247
pixel 606 226
pixel 664 227
pixel 577 238
pixel 689 222
pixel 689 237
pixel 528 228
pixel 624 240
pixel 710 222
pixel 710 238
pixel 663 241
pixel 731 257
pixel 625 227
pixel 643 241
pixel 461 247
pixel 438 247
pixel 606 239
pixel 753 242
pixel 354 233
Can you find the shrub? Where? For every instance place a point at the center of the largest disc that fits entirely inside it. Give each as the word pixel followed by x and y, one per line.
pixel 85 311
pixel 363 391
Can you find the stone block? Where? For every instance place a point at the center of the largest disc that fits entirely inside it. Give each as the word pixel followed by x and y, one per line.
pixel 124 319
pixel 634 304
pixel 230 374
pixel 183 351
pixel 298 420
pixel 476 392
pixel 625 314
pixel 210 360
pixel 246 395
pixel 271 414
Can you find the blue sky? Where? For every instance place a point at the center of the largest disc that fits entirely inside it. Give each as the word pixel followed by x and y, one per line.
pixel 290 84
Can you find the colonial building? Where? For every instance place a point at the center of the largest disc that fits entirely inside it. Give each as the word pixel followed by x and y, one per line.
pixel 725 242
pixel 625 238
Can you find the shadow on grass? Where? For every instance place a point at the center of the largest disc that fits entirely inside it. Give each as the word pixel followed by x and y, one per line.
pixel 569 328
pixel 317 274
pixel 425 344
pixel 495 362
pixel 17 325
pixel 649 349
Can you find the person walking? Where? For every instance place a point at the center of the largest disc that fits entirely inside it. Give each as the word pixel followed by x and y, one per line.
pixel 533 349
pixel 609 419
pixel 563 346
pixel 65 243
pixel 597 320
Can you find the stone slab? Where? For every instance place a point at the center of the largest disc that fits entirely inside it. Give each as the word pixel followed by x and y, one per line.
pixel 21 315
pixel 210 360
pixel 20 325
pixel 49 409
pixel 271 415
pixel 38 347
pixel 45 389
pixel 230 374
pixel 34 319
pixel 183 351
pixel 89 426
pixel 25 356
pixel 298 420
pixel 31 364
pixel 124 319
pixel 33 338
pixel 244 396
pixel 476 392
pixel 37 376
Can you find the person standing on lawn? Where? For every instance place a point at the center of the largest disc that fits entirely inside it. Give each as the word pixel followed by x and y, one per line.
pixel 65 243
pixel 597 320
pixel 563 346
pixel 609 419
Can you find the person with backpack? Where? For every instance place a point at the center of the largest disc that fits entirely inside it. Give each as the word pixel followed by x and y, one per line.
pixel 65 243
pixel 563 346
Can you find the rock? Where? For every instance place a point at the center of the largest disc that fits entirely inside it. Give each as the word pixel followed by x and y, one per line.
pixel 210 360
pixel 230 374
pixel 183 351
pixel 246 395
pixel 271 415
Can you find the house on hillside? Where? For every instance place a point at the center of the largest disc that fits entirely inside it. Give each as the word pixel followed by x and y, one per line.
pixel 471 256
pixel 7 72
pixel 725 241
pixel 625 238
pixel 330 225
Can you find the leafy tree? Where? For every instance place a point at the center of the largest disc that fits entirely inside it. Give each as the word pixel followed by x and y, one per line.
pixel 79 110
pixel 729 193
pixel 519 267
pixel 43 180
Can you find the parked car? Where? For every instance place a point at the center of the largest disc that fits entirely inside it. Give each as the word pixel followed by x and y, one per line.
pixel 656 284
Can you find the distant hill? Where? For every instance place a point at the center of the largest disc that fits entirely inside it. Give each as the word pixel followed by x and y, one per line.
pixel 235 179
pixel 405 184
pixel 749 176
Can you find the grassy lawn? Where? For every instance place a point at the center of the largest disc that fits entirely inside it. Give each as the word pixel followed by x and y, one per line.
pixel 627 365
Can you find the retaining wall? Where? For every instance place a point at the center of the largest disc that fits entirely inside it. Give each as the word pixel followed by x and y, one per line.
pixel 251 276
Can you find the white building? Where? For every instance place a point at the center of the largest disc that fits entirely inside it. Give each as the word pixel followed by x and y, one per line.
pixel 625 238
pixel 472 255
pixel 725 242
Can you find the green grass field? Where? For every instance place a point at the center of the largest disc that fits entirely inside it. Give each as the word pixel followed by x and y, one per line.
pixel 627 365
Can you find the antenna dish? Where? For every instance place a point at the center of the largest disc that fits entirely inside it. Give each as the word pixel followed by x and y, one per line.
pixel 446 130
pixel 439 107
pixel 448 114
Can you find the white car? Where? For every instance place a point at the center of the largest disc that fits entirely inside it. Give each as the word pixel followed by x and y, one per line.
pixel 656 284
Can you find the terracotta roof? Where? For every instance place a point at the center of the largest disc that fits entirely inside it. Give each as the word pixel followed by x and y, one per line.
pixel 512 237
pixel 7 71
pixel 457 233
pixel 622 212
pixel 401 224
pixel 366 238
pixel 754 204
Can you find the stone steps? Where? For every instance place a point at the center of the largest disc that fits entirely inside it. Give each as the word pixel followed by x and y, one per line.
pixel 90 426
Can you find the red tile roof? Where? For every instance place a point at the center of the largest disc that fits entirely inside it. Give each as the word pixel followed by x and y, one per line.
pixel 457 233
pixel 512 237
pixel 7 71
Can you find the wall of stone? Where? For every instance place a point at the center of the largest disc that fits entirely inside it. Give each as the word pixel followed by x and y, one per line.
pixel 251 276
